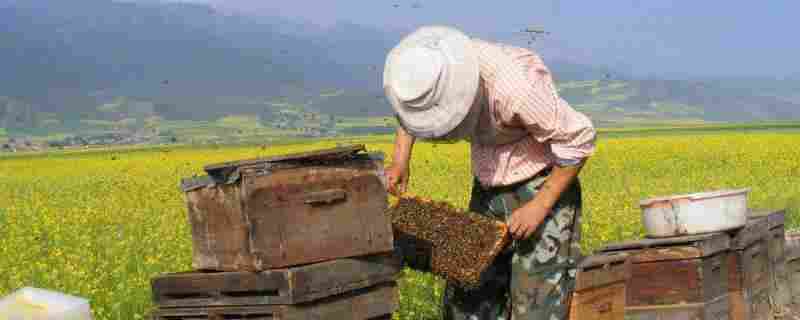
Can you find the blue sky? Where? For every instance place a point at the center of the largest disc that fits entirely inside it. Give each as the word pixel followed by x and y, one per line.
pixel 675 38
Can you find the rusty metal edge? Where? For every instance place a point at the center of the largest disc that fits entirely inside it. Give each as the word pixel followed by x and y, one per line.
pixel 229 172
pixel 648 243
pixel 330 152
pixel 194 183
pixel 603 258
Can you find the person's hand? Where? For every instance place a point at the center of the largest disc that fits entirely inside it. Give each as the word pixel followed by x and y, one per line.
pixel 397 179
pixel 526 219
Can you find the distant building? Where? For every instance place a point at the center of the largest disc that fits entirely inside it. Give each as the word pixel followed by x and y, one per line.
pixel 20 144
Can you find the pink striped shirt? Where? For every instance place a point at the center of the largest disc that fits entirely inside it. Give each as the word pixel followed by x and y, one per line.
pixel 528 127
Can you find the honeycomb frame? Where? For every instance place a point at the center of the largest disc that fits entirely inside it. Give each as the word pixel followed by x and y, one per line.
pixel 436 237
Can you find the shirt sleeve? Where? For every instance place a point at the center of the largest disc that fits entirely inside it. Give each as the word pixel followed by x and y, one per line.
pixel 549 119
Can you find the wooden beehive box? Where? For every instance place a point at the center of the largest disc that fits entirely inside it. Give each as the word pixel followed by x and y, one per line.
pixel 600 287
pixel 292 285
pixel 748 271
pixel 779 276
pixel 372 303
pixel 792 251
pixel 433 236
pixel 288 210
pixel 677 278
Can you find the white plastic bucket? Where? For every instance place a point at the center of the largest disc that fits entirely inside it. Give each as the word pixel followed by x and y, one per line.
pixel 696 213
pixel 39 304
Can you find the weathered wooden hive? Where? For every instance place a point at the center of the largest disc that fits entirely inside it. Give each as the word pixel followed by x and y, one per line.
pixel 677 278
pixel 792 252
pixel 289 210
pixel 741 274
pixel 433 236
pixel 600 287
pixel 373 303
pixel 298 236
pixel 349 288
pixel 761 277
pixel 779 287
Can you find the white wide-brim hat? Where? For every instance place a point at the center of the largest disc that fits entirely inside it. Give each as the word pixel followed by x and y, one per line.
pixel 431 79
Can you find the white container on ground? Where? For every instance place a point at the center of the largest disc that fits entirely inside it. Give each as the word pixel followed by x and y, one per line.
pixel 40 304
pixel 695 213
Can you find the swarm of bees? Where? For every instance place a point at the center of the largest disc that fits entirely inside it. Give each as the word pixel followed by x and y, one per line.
pixel 436 237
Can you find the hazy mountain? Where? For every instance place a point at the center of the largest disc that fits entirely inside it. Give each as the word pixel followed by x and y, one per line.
pixel 673 99
pixel 90 45
pixel 194 62
pixel 787 89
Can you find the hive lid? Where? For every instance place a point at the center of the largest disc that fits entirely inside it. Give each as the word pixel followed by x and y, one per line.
pixel 228 172
pixel 775 218
pixel 754 230
pixel 603 259
pixel 192 183
pixel 708 243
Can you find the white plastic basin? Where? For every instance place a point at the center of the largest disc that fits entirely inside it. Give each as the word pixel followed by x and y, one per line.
pixel 695 213
pixel 39 304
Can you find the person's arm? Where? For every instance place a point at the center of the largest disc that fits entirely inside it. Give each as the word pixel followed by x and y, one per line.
pixel 536 210
pixel 398 174
pixel 570 135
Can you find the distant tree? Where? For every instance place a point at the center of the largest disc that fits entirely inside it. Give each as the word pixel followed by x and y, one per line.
pixel 165 109
pixel 267 115
pixel 331 123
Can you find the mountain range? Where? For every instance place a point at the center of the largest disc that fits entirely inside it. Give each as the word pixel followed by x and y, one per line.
pixel 193 61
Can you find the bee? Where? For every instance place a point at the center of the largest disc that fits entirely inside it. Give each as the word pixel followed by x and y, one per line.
pixel 457 254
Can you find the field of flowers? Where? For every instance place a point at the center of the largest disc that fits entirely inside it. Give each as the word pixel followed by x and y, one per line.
pixel 100 225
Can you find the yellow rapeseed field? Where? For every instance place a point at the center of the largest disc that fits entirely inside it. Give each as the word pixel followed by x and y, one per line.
pixel 100 225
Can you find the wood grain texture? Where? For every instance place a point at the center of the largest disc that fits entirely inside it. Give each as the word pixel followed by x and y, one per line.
pixel 289 230
pixel 219 229
pixel 775 217
pixel 716 309
pixel 779 278
pixel 754 230
pixel 364 304
pixel 680 270
pixel 793 270
pixel 748 277
pixel 256 216
pixel 776 270
pixel 600 287
pixel 677 281
pixel 279 286
pixel 600 270
pixel 601 303
pixel 791 245
pixel 686 247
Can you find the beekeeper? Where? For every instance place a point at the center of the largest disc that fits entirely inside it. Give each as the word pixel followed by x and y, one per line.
pixel 527 148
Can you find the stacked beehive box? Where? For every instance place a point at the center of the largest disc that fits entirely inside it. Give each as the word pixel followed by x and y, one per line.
pixel 749 272
pixel 737 275
pixel 779 285
pixel 792 251
pixel 675 277
pixel 600 287
pixel 300 236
